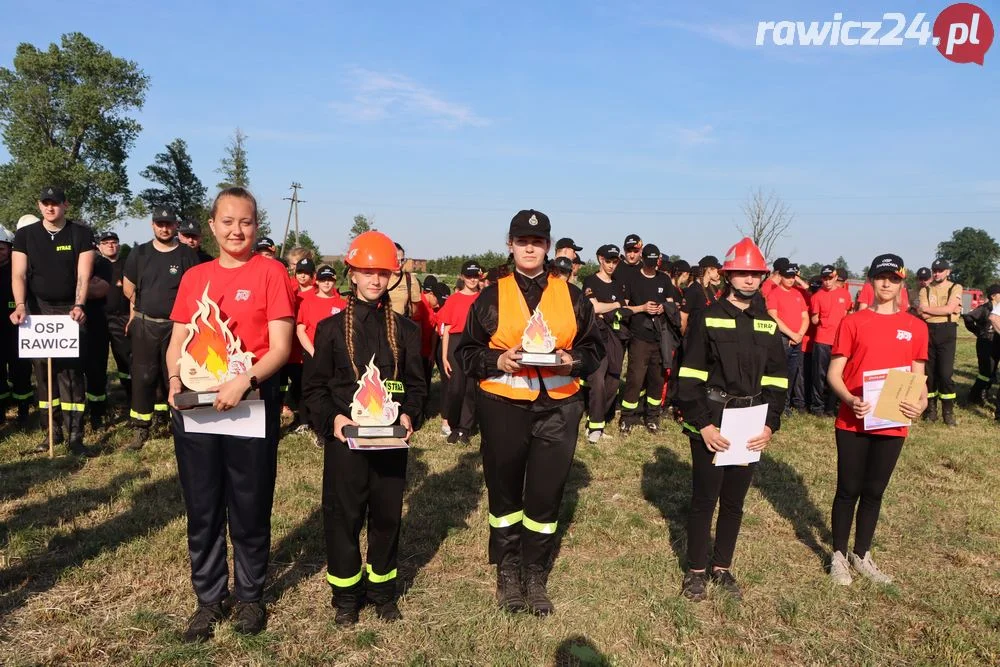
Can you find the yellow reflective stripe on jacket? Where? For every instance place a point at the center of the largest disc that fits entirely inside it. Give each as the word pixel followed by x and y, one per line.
pixel 720 323
pixel 544 528
pixel 771 381
pixel 138 415
pixel 506 520
pixel 344 583
pixel 380 578
pixel 687 372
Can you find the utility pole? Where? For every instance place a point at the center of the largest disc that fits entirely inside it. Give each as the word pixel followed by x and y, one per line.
pixel 293 207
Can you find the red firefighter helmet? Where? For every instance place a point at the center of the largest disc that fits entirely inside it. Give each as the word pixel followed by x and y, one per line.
pixel 373 250
pixel 745 256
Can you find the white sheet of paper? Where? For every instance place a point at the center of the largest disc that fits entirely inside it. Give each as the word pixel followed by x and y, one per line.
pixel 871 388
pixel 738 426
pixel 246 420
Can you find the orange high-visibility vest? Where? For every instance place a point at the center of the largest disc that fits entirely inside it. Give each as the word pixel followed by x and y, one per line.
pixel 513 315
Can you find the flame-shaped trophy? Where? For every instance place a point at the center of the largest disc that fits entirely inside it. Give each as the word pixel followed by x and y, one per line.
pixel 538 343
pixel 211 355
pixel 375 412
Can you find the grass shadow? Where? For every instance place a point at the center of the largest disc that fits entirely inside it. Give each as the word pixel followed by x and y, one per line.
pixel 666 484
pixel 18 477
pixel 788 493
pixel 579 478
pixel 153 507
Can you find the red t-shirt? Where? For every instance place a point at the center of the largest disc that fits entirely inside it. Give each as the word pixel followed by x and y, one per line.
pixel 790 304
pixel 455 311
pixel 767 287
pixel 872 342
pixel 832 307
pixel 314 308
pixel 249 297
pixel 426 317
pixel 867 297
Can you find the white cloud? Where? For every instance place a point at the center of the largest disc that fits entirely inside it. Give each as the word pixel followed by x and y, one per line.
pixel 695 136
pixel 737 35
pixel 379 96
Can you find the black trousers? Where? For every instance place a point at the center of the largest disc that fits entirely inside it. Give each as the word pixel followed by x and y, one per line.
pixel 941 346
pixel 527 454
pixel 642 396
pixel 228 480
pixel 359 487
pixel 149 369
pixel 291 384
pixel 15 373
pixel 865 462
pixel 95 365
pixel 459 405
pixel 602 384
pixel 121 350
pixel 725 486
pixel 823 399
pixel 795 397
pixel 986 362
pixel 307 367
pixel 70 393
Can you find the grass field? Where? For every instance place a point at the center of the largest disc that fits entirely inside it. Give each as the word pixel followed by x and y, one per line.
pixel 94 564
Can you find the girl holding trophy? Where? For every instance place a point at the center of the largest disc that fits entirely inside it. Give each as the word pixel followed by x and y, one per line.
pixel 364 394
pixel 232 332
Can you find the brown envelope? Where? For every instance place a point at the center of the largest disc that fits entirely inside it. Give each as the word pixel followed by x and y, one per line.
pixel 899 386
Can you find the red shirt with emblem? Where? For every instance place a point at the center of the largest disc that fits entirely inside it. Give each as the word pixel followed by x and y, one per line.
pixel 314 308
pixel 832 307
pixel 790 304
pixel 455 312
pixel 872 342
pixel 249 296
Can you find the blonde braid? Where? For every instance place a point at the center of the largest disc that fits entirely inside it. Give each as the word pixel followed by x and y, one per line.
pixel 349 333
pixel 390 331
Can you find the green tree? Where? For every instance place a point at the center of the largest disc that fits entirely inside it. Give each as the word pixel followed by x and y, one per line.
pixel 973 255
pixel 181 190
pixel 361 225
pixel 306 241
pixel 65 118
pixel 234 167
pixel 842 268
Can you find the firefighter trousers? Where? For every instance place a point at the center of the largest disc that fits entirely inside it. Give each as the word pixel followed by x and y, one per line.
pixel 358 487
pixel 150 340
pixel 229 480
pixel 15 373
pixel 527 453
pixel 95 365
pixel 602 385
pixel 941 346
pixel 644 378
pixel 986 364
pixel 459 406
pixel 70 394
pixel 121 350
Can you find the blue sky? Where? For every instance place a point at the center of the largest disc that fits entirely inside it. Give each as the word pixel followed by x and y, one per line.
pixel 442 119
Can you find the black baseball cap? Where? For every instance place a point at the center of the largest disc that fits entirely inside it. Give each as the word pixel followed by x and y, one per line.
pixel 429 283
pixel 189 228
pixel 564 264
pixel 609 251
pixel 471 268
pixel 163 214
pixel 441 291
pixel 940 265
pixel 326 273
pixel 827 270
pixel 632 242
pixel 790 271
pixel 650 255
pixel 52 193
pixel 992 289
pixel 780 264
pixel 923 273
pixel 493 275
pixel 680 266
pixel 530 222
pixel 710 261
pixel 567 243
pixel 265 244
pixel 305 265
pixel 107 236
pixel 887 263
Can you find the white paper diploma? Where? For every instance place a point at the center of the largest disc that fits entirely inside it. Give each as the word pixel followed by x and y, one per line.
pixel 246 420
pixel 871 388
pixel 738 426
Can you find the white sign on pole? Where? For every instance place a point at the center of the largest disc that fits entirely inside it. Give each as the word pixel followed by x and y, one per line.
pixel 48 337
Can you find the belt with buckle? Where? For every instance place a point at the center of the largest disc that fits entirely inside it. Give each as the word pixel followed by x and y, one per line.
pixel 731 400
pixel 161 320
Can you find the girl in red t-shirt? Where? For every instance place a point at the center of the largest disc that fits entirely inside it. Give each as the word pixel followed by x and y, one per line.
pixel 230 478
pixel 315 305
pixel 458 406
pixel 883 336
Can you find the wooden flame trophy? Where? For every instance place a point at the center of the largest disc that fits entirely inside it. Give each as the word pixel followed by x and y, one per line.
pixel 211 355
pixel 375 412
pixel 538 343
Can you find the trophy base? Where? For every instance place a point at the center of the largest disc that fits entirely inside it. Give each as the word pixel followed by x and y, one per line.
pixel 362 432
pixel 540 359
pixel 199 399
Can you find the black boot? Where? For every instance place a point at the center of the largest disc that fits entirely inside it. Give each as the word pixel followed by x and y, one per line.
pixel 201 625
pixel 976 393
pixel 931 414
pixel 383 597
pixel 97 412
pixel 510 592
pixel 948 412
pixel 347 602
pixel 535 594
pixel 77 447
pixel 57 435
pixel 139 438
pixel 250 618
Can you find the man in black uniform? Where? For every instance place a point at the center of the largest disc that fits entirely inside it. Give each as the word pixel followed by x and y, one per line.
pixel 632 259
pixel 53 261
pixel 15 373
pixel 978 322
pixel 700 294
pixel 95 343
pixel 116 312
pixel 608 297
pixel 152 274
pixel 646 293
pixel 189 233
